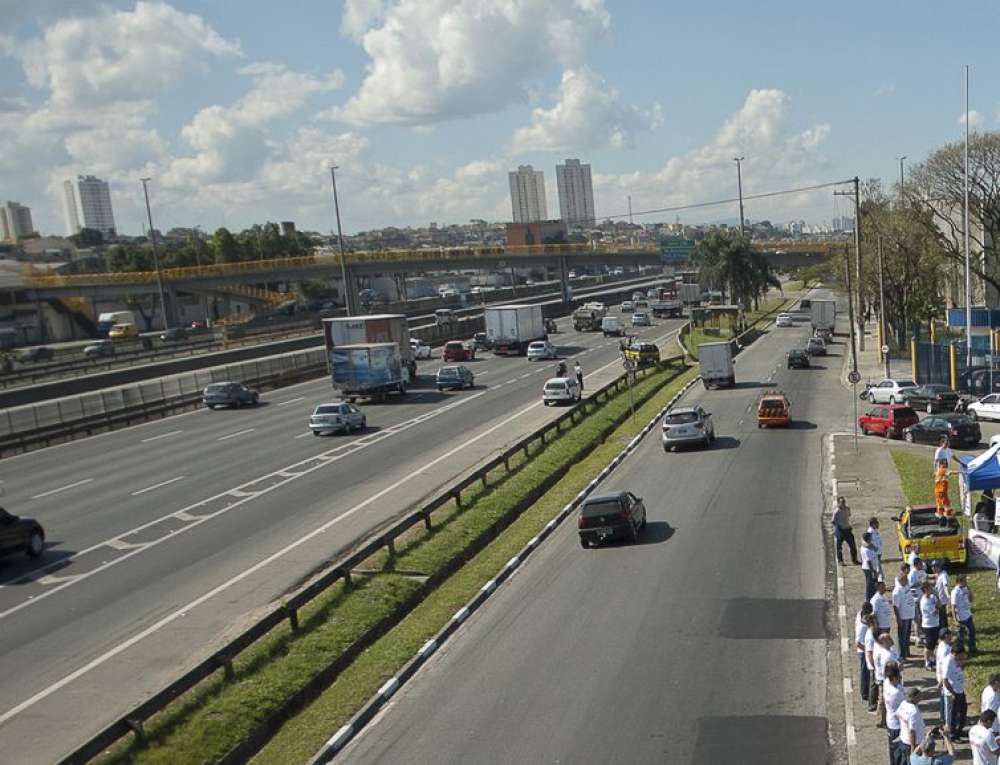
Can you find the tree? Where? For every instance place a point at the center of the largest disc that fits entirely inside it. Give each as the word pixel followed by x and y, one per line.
pixel 725 258
pixel 225 248
pixel 129 257
pixel 88 237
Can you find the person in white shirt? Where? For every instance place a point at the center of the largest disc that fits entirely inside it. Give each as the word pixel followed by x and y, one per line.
pixel 893 694
pixel 881 607
pixel 869 564
pixel 911 724
pixel 882 654
pixel 983 739
pixel 953 681
pixel 943 452
pixel 942 589
pixel 929 622
pixel 904 607
pixel 860 632
pixel 961 609
pixel 990 698
pixel 876 538
pixel 917 577
pixel 941 653
pixel 870 660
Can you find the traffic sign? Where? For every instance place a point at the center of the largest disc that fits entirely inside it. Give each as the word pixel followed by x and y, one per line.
pixel 885 349
pixel 854 377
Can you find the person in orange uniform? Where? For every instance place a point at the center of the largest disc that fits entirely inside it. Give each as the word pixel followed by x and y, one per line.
pixel 943 509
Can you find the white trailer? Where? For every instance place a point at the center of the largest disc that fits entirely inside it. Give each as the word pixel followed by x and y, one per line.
pixel 377 328
pixel 510 328
pixel 716 363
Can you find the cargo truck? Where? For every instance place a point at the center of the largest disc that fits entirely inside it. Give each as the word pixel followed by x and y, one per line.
pixel 824 315
pixel 667 309
pixel 105 321
pixel 587 319
pixel 690 294
pixel 377 328
pixel 716 363
pixel 368 370
pixel 510 328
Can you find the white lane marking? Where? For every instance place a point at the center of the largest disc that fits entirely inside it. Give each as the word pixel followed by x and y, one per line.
pixel 290 401
pixel 158 485
pixel 512 380
pixel 526 375
pixel 62 488
pixel 303 435
pixel 162 435
pixel 237 433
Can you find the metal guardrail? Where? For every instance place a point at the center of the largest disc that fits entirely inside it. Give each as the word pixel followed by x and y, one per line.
pixel 133 721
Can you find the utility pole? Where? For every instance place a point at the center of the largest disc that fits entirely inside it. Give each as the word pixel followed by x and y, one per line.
pixel 881 310
pixel 968 269
pixel 156 258
pixel 901 197
pixel 739 188
pixel 854 377
pixel 348 298
pixel 630 209
pixel 857 250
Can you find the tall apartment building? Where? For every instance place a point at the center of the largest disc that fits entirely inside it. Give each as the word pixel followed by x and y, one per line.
pixel 70 212
pixel 89 199
pixel 576 194
pixel 15 220
pixel 527 194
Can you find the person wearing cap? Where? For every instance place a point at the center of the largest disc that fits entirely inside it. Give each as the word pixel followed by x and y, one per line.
pixel 983 739
pixel 904 607
pixel 961 609
pixel 930 621
pixel 926 753
pixel 953 683
pixel 911 724
pixel 869 564
pixel 942 590
pixel 860 635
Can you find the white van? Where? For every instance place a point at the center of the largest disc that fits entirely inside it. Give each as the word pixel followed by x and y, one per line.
pixel 612 325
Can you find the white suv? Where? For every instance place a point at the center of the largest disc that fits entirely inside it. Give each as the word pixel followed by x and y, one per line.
pixel 565 390
pixel 784 320
pixel 890 391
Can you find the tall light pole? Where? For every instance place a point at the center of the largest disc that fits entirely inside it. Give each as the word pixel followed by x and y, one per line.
pixel 968 270
pixel 739 187
pixel 881 310
pixel 856 193
pixel 340 240
pixel 156 257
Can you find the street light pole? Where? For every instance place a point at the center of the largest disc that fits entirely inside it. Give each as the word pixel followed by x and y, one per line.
pixel 881 309
pixel 968 270
pixel 156 257
pixel 901 179
pixel 340 239
pixel 739 188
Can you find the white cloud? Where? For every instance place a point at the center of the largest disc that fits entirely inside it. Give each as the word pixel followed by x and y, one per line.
pixel 433 60
pixel 975 118
pixel 588 114
pixel 360 15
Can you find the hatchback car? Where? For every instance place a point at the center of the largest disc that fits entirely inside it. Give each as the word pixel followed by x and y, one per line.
pixel 420 349
pixel 561 390
pixel 816 346
pixel 20 535
pixel 454 378
pixel 123 331
pixel 931 398
pixel 685 425
pixel 626 306
pixel 784 320
pixel 890 391
pixel 541 349
pixel 889 421
pixel 232 394
pixel 987 408
pixel 611 516
pixel 336 418
pixel 99 348
pixel 798 359
pixel 457 350
pixel 963 431
pixel 641 320
pixel 36 354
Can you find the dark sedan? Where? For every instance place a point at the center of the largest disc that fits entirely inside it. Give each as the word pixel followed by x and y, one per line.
pixel 32 355
pixel 611 516
pixel 232 394
pixel 932 398
pixel 798 360
pixel 20 535
pixel 962 430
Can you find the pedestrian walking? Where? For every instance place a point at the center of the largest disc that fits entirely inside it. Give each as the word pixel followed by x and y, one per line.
pixel 941 653
pixel 930 621
pixel 860 635
pixel 842 531
pixel 869 564
pixel 911 725
pixel 983 739
pixel 943 452
pixel 990 697
pixel 942 590
pixel 956 704
pixel 883 654
pixel 870 644
pixel 578 370
pixel 893 694
pixel 904 607
pixel 961 609
pixel 873 531
pixel 882 608
pixel 926 753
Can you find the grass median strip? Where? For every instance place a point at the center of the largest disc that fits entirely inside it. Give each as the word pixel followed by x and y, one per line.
pixel 219 715
pixel 699 335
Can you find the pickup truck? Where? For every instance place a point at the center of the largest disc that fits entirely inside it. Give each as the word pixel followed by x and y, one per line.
pixel 773 409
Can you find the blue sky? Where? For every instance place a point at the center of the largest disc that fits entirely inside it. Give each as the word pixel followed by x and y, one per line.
pixel 236 108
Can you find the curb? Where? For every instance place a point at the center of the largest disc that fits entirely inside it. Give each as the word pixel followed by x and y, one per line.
pixel 371 708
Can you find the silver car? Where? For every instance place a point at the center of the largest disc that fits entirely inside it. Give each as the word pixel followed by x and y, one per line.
pixel 336 418
pixel 684 425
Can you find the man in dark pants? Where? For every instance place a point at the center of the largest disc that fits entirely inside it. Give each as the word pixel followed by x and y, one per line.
pixel 842 531
pixel 860 633
pixel 578 370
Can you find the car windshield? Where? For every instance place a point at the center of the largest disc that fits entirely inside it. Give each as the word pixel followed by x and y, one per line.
pixel 555 385
pixel 448 372
pixel 937 388
pixel 904 411
pixel 536 347
pixel 680 418
pixel 217 388
pixel 330 409
pixel 454 346
pixel 958 419
pixel 906 383
pixel 602 507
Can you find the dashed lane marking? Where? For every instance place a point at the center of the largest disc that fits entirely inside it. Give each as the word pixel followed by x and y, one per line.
pixel 62 488
pixel 158 485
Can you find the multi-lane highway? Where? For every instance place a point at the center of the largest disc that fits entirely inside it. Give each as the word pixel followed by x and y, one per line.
pixel 703 644
pixel 173 534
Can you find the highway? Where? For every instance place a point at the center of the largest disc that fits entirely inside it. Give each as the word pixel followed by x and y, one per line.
pixel 165 538
pixel 704 644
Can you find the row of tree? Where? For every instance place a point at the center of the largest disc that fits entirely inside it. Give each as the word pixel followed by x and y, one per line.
pixel 729 263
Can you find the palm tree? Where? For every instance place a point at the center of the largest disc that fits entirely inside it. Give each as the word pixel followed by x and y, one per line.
pixel 762 276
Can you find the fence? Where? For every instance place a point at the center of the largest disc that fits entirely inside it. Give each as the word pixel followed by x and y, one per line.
pixel 133 722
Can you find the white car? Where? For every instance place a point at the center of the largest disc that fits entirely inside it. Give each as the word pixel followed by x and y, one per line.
pixel 640 320
pixel 987 408
pixel 421 350
pixel 626 306
pixel 541 349
pixel 561 390
pixel 337 417
pixel 890 391
pixel 784 320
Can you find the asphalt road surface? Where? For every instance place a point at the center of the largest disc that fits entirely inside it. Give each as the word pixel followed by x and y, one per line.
pixel 166 538
pixel 703 644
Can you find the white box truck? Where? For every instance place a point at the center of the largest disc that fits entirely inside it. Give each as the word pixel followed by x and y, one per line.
pixel 377 328
pixel 510 328
pixel 367 370
pixel 105 321
pixel 716 363
pixel 690 294
pixel 823 314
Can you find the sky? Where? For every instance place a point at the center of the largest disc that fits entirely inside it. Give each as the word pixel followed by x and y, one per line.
pixel 237 108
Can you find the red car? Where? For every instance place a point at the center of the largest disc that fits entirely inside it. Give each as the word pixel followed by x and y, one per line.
pixel 456 350
pixel 887 420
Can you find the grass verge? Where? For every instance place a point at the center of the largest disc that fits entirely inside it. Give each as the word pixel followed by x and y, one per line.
pixel 218 715
pixel 699 335
pixel 914 469
pixel 302 736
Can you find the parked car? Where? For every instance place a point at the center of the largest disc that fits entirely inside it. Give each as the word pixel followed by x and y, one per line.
pixel 987 408
pixel 35 354
pixel 99 348
pixel 20 535
pixel 919 530
pixel 684 425
pixel 979 382
pixel 626 306
pixel 931 398
pixel 454 378
pixel 961 429
pixel 123 331
pixel 421 350
pixel 232 394
pixel 816 346
pixel 173 334
pixel 338 417
pixel 541 349
pixel 641 320
pixel 784 320
pixel 561 390
pixel 890 391
pixel 798 359
pixel 611 516
pixel 459 350
pixel 888 420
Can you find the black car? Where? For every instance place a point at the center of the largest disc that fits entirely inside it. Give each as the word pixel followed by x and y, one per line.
pixel 20 535
pixel 798 360
pixel 961 429
pixel 32 355
pixel 932 398
pixel 611 516
pixel 232 394
pixel 173 334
